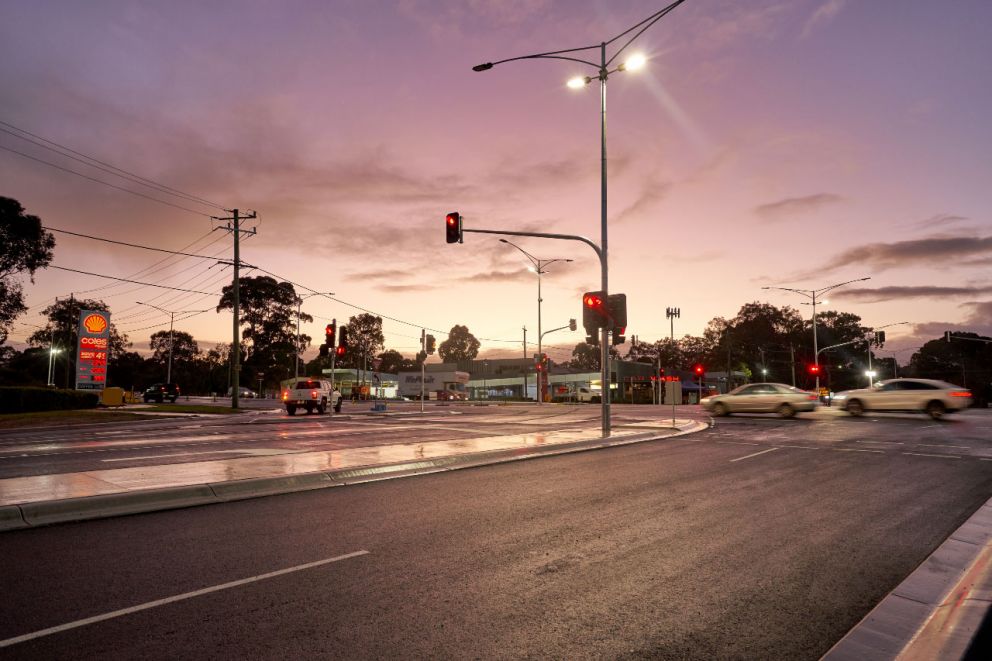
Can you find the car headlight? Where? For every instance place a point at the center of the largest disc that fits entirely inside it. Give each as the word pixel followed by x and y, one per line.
pixel 839 397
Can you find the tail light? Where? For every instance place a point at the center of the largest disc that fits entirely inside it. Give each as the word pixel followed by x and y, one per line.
pixel 812 397
pixel 960 393
pixel 285 395
pixel 313 395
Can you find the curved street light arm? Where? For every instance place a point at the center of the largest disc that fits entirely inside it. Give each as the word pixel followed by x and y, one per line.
pixel 543 235
pixel 805 292
pixel 840 284
pixel 553 330
pixel 647 23
pixel 534 260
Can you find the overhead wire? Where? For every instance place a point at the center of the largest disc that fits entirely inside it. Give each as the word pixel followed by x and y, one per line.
pixel 92 162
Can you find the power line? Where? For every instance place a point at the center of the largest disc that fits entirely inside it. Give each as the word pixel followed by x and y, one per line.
pixel 105 183
pixel 111 277
pixel 101 165
pixel 124 243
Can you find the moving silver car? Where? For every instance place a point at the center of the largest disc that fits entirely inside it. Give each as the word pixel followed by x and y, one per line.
pixel 762 398
pixel 934 397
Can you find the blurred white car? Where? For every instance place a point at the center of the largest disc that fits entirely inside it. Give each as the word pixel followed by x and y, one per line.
pixel 762 398
pixel 934 397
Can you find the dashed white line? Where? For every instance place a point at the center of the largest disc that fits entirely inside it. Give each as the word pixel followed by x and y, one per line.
pixel 941 445
pixel 753 455
pixel 938 456
pixel 170 600
pixel 857 450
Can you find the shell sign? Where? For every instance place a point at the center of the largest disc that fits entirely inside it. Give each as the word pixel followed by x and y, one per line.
pixel 92 350
pixel 95 323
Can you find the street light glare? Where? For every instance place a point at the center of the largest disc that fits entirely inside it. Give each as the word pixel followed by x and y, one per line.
pixel 635 62
pixel 578 82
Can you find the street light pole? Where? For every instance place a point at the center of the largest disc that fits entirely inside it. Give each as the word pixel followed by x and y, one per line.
pixel 602 74
pixel 812 294
pixel 538 268
pixel 172 318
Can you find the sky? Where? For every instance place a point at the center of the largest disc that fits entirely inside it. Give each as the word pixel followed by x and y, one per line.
pixel 790 143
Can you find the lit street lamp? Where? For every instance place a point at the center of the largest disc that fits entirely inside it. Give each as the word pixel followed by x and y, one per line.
pixel 812 294
pixel 602 74
pixel 871 373
pixel 538 268
pixel 51 363
pixel 296 353
pixel 172 317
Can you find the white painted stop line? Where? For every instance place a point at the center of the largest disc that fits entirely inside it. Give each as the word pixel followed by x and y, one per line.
pixel 169 600
pixel 753 455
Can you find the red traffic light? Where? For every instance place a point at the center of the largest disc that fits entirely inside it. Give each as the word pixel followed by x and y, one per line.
pixel 339 351
pixel 699 370
pixel 453 227
pixel 814 369
pixel 593 301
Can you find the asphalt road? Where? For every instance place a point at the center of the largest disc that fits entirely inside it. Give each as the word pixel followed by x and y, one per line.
pixel 703 546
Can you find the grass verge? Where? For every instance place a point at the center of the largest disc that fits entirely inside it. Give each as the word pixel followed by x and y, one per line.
pixel 49 418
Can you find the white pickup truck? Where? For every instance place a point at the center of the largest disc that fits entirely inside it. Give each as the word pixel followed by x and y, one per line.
pixel 310 394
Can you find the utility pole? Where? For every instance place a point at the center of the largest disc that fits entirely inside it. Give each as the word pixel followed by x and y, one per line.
pixel 234 227
pixel 525 364
pixel 69 346
pixel 423 359
pixel 671 313
pixel 792 360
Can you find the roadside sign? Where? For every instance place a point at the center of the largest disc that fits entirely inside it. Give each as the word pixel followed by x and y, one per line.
pixel 92 350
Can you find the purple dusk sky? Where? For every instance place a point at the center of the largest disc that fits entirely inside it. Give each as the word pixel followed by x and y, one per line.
pixel 793 143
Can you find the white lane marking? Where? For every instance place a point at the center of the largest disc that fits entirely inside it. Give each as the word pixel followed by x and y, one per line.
pixel 753 455
pixel 159 456
pixel 941 445
pixel 253 452
pixel 801 447
pixel 984 459
pixel 857 450
pixel 886 442
pixel 737 443
pixel 169 600
pixel 939 456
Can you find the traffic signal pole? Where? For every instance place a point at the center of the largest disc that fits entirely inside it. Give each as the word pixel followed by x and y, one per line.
pixel 604 267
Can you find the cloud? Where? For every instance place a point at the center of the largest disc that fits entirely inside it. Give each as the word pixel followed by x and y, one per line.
pixel 947 250
pixel 499 276
pixel 825 13
pixel 792 206
pixel 389 274
pixel 978 320
pixel 867 295
pixel 938 220
pixel 652 193
pixel 404 289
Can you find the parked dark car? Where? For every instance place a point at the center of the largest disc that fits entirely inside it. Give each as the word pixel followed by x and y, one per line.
pixel 159 392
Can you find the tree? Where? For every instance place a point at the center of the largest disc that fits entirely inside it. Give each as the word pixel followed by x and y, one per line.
pixel 185 354
pixel 268 317
pixel 460 345
pixel 61 331
pixel 393 362
pixel 24 247
pixel 585 357
pixel 365 340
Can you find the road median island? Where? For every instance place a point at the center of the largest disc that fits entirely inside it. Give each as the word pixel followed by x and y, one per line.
pixel 938 610
pixel 271 476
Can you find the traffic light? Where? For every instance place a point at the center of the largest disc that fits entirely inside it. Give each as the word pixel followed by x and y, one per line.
pixel 342 340
pixel 814 369
pixel 617 311
pixel 699 370
pixel 453 227
pixel 618 337
pixel 880 337
pixel 431 345
pixel 661 372
pixel 594 315
pixel 323 350
pixel 571 325
pixel 330 333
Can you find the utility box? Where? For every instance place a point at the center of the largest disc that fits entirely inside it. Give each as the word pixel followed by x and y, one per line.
pixel 112 397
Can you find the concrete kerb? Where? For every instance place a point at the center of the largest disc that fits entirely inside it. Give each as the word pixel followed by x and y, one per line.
pixel 150 500
pixel 938 609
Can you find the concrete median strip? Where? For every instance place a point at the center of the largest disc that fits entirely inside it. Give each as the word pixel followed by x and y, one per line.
pixel 142 500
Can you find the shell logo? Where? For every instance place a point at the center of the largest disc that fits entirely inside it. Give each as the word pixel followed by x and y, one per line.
pixel 95 323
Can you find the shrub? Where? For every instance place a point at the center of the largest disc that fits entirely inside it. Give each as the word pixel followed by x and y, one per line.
pixel 16 399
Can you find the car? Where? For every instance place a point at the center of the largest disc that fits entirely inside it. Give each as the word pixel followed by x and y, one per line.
pixel 160 392
pixel 918 395
pixel 245 393
pixel 762 398
pixel 310 394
